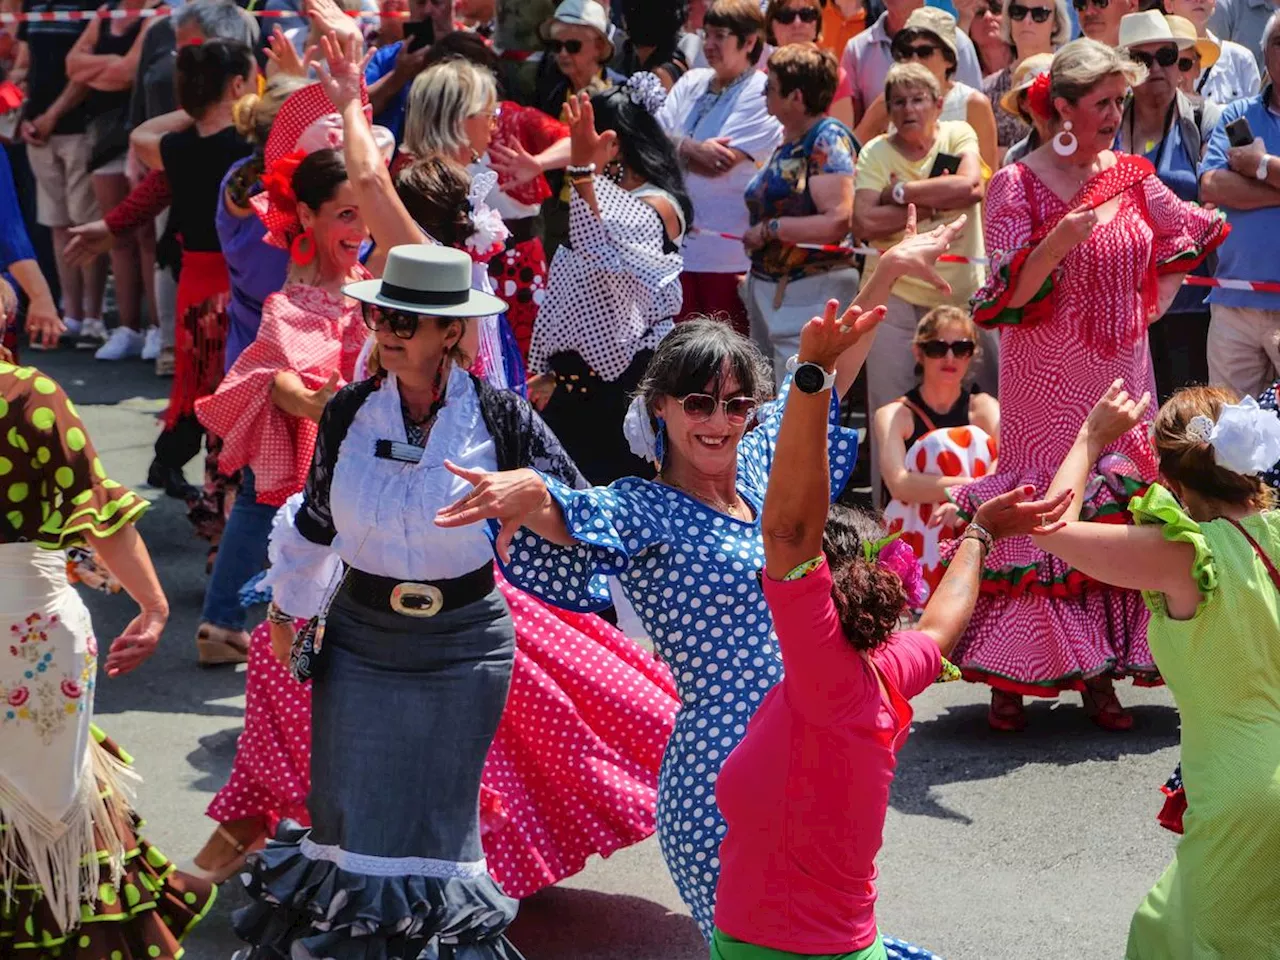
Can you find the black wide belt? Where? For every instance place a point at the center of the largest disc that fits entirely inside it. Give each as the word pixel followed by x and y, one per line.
pixel 412 598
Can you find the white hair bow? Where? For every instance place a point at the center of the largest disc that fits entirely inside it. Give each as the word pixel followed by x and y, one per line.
pixel 1245 439
pixel 637 427
pixel 491 232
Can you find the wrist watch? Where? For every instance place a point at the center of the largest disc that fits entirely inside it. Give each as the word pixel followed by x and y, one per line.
pixel 809 377
pixel 1261 172
pixel 899 193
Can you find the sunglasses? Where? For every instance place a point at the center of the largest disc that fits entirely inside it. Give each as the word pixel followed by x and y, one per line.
pixel 1082 5
pixel 921 51
pixel 571 47
pixel 1038 14
pixel 789 15
pixel 1165 57
pixel 400 322
pixel 700 407
pixel 992 7
pixel 937 349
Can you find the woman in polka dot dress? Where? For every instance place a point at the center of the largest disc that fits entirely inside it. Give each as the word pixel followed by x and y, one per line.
pixel 686 549
pixel 76 880
pixel 941 434
pixel 1088 249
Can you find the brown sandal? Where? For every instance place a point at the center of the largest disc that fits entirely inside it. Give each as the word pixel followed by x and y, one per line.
pixel 225 871
pixel 217 646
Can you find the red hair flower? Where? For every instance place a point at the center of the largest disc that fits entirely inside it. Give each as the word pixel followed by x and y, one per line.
pixel 277 182
pixel 1038 101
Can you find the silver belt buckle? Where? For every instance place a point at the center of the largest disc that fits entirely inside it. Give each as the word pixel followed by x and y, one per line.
pixel 416 599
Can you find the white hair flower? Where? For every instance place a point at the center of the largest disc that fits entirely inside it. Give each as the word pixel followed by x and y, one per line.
pixel 646 90
pixel 1245 439
pixel 491 233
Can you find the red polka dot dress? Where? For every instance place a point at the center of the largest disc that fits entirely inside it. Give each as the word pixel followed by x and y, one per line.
pixel 573 770
pixel 1041 626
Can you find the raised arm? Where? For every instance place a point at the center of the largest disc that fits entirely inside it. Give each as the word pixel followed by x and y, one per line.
pixel 515 498
pixel 145 140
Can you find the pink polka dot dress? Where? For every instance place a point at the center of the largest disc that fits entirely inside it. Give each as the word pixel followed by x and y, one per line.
pixel 573 770
pixel 1040 626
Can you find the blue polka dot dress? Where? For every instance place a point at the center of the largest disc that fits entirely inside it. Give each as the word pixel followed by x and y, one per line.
pixel 692 575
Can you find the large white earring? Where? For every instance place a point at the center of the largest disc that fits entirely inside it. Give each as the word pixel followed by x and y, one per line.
pixel 1064 141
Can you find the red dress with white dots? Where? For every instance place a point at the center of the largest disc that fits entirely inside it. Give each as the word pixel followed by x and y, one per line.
pixel 1041 626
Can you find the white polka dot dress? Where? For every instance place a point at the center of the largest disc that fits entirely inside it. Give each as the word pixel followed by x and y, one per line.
pixel 692 575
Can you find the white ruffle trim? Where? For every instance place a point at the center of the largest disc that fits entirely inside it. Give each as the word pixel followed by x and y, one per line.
pixel 372 866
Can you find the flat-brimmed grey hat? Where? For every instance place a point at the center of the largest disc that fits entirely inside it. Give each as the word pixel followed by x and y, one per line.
pixel 428 279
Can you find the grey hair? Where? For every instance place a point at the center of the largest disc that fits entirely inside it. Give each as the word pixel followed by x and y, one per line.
pixel 1273 24
pixel 1082 64
pixel 704 351
pixel 1061 24
pixel 441 98
pixel 218 20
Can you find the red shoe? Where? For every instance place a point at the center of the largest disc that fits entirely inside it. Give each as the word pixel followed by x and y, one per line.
pixel 1103 707
pixel 1006 714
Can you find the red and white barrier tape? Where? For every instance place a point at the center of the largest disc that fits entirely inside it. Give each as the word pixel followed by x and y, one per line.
pixel 1223 283
pixel 75 16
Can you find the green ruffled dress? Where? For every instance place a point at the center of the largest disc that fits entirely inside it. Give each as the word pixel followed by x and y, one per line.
pixel 1220 898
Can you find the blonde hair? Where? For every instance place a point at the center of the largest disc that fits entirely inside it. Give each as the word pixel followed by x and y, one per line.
pixel 1082 64
pixel 911 75
pixel 1061 23
pixel 253 114
pixel 931 325
pixel 1190 461
pixel 440 100
pixel 455 356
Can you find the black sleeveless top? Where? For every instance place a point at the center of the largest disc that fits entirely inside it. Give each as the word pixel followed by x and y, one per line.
pixel 957 416
pixel 102 101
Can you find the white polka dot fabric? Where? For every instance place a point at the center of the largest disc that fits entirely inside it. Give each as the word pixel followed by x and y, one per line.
pixel 692 575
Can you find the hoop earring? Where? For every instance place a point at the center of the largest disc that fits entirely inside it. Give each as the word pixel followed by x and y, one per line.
pixel 614 170
pixel 1064 141
pixel 303 249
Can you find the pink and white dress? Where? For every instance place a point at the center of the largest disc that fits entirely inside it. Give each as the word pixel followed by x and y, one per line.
pixel 1040 626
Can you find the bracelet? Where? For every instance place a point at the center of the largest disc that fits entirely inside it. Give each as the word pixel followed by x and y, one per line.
pixel 771 228
pixel 277 616
pixel 975 531
pixel 576 171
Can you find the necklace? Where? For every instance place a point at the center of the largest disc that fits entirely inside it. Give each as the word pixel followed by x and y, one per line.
pixel 729 508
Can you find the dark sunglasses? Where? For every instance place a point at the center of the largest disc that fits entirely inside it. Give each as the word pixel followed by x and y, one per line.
pixel 400 322
pixel 571 47
pixel 789 15
pixel 992 7
pixel 1165 57
pixel 937 349
pixel 1186 64
pixel 1038 14
pixel 921 51
pixel 1082 5
pixel 699 407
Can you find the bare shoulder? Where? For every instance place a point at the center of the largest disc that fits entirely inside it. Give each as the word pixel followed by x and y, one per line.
pixel 667 211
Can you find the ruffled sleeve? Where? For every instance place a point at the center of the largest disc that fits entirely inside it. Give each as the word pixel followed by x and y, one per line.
pixel 55 488
pixel 612 525
pixel 1185 233
pixel 302 574
pixel 1158 505
pixel 1008 236
pixel 755 449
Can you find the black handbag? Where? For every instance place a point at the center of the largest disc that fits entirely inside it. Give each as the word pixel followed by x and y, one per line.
pixel 306 657
pixel 108 136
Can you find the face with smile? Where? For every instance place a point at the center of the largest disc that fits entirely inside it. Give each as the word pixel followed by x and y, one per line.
pixel 1095 118
pixel 707 447
pixel 338 230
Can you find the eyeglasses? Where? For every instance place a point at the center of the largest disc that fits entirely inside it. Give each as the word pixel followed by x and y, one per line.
pixel 1165 57
pixel 400 322
pixel 791 15
pixel 571 47
pixel 1082 5
pixel 700 407
pixel 937 349
pixel 921 51
pixel 1038 14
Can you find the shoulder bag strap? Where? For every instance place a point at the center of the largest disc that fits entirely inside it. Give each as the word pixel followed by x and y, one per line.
pixel 1266 561
pixel 919 412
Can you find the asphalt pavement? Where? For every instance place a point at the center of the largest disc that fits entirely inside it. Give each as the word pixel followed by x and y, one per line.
pixel 997 847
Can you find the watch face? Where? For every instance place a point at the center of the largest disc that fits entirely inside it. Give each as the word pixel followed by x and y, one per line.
pixel 809 378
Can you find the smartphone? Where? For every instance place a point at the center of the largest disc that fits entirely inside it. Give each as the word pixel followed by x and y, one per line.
pixel 947 163
pixel 1238 133
pixel 419 34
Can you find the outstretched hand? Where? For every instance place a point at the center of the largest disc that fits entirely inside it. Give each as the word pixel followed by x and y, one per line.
pixel 327 17
pixel 282 56
pixel 508 496
pixel 823 339
pixel 916 254
pixel 585 145
pixel 341 68
pixel 1015 514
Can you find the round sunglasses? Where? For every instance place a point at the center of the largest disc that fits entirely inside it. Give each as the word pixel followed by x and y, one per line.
pixel 1019 12
pixel 400 322
pixel 937 349
pixel 571 47
pixel 1165 57
pixel 700 407
pixel 791 15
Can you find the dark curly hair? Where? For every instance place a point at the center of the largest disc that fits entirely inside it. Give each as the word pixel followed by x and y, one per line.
pixel 870 599
pixel 434 190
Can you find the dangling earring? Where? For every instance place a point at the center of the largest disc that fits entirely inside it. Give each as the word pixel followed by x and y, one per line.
pixel 613 170
pixel 303 249
pixel 1064 141
pixel 660 442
